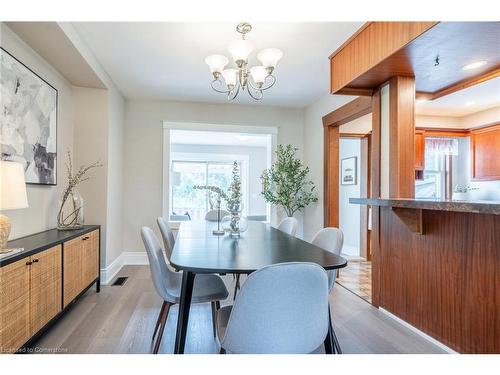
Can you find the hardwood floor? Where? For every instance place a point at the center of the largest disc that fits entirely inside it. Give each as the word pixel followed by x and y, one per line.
pixel 121 319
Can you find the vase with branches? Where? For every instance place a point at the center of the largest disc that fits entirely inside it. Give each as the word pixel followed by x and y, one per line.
pixel 70 214
pixel 234 223
pixel 286 184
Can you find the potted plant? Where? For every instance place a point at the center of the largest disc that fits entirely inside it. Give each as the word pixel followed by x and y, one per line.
pixel 286 183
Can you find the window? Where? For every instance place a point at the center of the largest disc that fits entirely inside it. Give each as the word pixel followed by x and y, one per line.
pixel 186 199
pixel 438 153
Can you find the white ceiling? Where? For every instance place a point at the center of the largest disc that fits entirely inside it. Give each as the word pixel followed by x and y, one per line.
pixel 190 137
pixel 464 102
pixel 162 60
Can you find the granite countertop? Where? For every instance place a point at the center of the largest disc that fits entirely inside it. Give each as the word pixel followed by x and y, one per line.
pixel 480 207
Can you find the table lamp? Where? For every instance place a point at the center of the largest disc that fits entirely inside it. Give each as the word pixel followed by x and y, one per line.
pixel 12 195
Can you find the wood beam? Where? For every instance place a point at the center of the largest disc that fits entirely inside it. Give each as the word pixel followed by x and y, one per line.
pixel 348 112
pixel 401 137
pixel 375 193
pixel 331 176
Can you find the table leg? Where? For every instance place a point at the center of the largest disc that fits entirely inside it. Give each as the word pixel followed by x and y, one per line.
pixel 184 305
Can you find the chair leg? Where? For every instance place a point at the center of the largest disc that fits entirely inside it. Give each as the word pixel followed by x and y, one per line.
pixel 214 318
pixel 336 344
pixel 162 327
pixel 222 351
pixel 159 319
pixel 236 286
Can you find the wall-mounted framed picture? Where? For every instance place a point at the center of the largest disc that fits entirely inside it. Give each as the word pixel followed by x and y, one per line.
pixel 28 131
pixel 348 171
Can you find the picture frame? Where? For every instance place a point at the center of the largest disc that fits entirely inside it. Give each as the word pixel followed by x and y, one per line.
pixel 29 134
pixel 349 171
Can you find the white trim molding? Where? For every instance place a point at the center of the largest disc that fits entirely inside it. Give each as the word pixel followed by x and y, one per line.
pixel 254 129
pixel 418 332
pixel 130 258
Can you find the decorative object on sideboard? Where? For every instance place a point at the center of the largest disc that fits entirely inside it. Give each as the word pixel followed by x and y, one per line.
pixel 255 79
pixel 29 121
pixel 349 172
pixel 71 214
pixel 12 196
pixel 286 183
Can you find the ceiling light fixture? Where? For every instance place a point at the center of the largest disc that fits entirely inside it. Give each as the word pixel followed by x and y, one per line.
pixel 469 103
pixel 255 79
pixel 474 65
pixel 421 101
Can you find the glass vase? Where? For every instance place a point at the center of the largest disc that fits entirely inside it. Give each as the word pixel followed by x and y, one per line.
pixel 70 214
pixel 235 223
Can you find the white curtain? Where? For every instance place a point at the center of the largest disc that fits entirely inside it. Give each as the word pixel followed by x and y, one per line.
pixel 441 146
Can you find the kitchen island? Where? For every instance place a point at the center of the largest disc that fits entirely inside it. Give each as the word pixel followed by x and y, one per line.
pixel 438 268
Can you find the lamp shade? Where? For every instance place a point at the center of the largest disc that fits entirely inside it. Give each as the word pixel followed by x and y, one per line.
pixel 258 73
pixel 12 186
pixel 217 63
pixel 230 76
pixel 269 57
pixel 240 49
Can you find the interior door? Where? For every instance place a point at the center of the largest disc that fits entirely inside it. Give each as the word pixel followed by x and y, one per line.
pixel 90 258
pixel 72 269
pixel 14 305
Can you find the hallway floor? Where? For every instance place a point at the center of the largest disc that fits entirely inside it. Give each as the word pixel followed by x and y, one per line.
pixel 357 277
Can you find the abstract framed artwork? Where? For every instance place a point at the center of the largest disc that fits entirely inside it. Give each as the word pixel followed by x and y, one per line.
pixel 28 123
pixel 348 169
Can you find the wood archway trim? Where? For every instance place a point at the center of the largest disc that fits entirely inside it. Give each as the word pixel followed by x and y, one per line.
pixel 331 122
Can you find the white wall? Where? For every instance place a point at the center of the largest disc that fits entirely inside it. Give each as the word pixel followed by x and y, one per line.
pixel 143 149
pixel 349 214
pixel 114 214
pixel 42 200
pixel 90 125
pixel 313 156
pixel 91 145
pixel 437 122
pixel 257 160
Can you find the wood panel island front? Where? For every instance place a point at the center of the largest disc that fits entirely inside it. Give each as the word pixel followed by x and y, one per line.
pixel 439 268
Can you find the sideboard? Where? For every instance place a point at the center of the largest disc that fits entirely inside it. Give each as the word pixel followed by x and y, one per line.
pixel 41 281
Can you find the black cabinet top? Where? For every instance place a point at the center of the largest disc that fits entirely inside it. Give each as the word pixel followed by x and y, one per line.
pixel 198 250
pixel 35 243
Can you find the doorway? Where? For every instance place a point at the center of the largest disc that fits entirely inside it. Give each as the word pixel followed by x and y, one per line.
pixel 348 142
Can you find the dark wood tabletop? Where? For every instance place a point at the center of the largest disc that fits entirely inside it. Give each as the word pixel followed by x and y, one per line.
pixel 199 251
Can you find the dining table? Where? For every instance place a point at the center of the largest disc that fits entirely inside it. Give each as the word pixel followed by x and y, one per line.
pixel 197 250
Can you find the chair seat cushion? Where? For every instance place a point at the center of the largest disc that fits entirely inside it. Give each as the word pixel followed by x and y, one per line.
pixel 207 288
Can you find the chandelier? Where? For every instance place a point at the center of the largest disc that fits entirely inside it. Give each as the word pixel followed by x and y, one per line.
pixel 255 79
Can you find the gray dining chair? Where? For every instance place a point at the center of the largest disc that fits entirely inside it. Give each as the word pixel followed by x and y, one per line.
pixel 330 239
pixel 167 235
pixel 288 225
pixel 212 215
pixel 207 288
pixel 291 317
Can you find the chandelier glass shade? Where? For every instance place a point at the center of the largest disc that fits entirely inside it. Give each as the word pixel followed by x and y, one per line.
pixel 254 79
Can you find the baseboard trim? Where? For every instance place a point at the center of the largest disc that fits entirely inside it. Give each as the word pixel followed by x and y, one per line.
pixel 129 258
pixel 418 332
